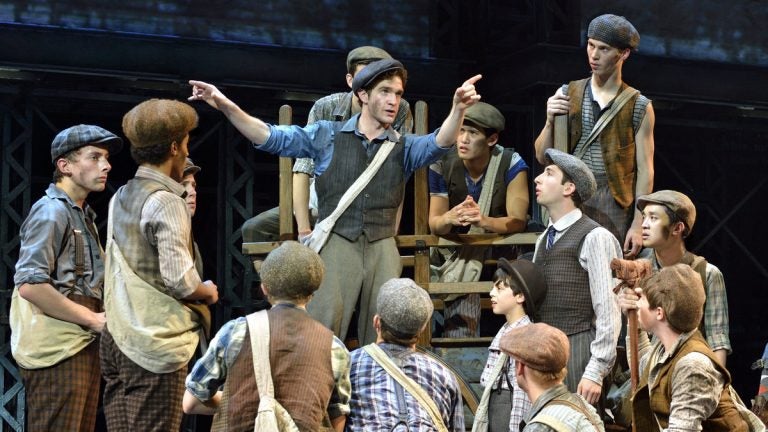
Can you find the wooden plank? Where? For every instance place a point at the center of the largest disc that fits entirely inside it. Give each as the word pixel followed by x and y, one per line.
pixel 421 191
pixel 462 342
pixel 259 248
pixel 409 241
pixel 286 183
pixel 435 288
pixel 561 133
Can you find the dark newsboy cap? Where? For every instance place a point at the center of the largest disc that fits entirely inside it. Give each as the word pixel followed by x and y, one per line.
pixel 614 30
pixel 486 116
pixel 369 73
pixel 366 54
pixel 528 277
pixel 190 168
pixel 82 135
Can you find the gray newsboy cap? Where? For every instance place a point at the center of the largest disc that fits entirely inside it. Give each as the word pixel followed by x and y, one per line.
pixel 576 169
pixel 614 30
pixel 74 137
pixel 404 306
pixel 486 116
pixel 366 54
pixel 369 73
pixel 190 168
pixel 677 202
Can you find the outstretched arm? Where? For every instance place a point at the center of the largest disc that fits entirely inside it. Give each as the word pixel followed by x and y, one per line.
pixel 254 129
pixel 557 104
pixel 464 97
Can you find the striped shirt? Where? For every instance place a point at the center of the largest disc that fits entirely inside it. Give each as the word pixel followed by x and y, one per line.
pixel 574 420
pixel 520 401
pixel 210 372
pixel 167 225
pixel 597 251
pixel 374 405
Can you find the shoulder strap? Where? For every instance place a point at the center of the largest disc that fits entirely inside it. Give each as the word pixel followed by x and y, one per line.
pixel 258 328
pixel 607 116
pixel 488 182
pixel 413 387
pixel 359 184
pixel 481 414
pixel 552 422
pixel 576 407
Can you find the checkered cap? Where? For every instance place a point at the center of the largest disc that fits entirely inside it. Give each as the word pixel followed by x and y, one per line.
pixel 82 135
pixel 404 306
pixel 577 170
pixel 614 30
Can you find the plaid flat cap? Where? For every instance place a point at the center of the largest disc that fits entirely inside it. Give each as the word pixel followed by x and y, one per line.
pixel 577 170
pixel 82 135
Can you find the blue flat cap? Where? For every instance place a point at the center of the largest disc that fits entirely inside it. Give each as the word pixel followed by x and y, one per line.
pixel 82 135
pixel 369 73
pixel 577 170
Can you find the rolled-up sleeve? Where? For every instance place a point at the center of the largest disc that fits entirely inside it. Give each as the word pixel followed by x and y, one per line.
pixel 41 238
pixel 342 391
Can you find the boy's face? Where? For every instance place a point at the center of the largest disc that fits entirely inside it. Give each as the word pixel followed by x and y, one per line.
pixel 503 300
pixel 473 143
pixel 549 186
pixel 190 185
pixel 656 228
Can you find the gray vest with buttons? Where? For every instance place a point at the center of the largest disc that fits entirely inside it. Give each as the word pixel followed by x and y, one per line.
pixel 374 211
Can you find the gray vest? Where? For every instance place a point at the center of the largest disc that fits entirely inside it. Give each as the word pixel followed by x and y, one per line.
pixel 374 211
pixel 568 303
pixel 141 256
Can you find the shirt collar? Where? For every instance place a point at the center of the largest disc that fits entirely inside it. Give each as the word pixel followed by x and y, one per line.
pixel 350 126
pixel 544 399
pixel 148 173
pixel 566 221
pixel 56 192
pixel 664 355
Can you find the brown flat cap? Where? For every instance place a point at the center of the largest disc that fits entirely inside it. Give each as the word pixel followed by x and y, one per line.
pixel 677 202
pixel 539 346
pixel 486 116
pixel 679 290
pixel 366 54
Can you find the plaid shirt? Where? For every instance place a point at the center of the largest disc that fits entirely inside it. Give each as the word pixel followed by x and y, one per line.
pixel 520 401
pixel 716 328
pixel 374 402
pixel 210 372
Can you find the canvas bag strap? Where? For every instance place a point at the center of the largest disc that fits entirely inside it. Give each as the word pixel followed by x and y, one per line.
pixel 410 385
pixel 607 116
pixel 360 183
pixel 258 327
pixel 484 202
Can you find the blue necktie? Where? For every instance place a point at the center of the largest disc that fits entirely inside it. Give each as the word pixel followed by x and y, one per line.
pixel 551 236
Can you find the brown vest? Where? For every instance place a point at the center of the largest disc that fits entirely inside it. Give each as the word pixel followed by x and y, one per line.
pixel 726 416
pixel 300 358
pixel 617 142
pixel 568 303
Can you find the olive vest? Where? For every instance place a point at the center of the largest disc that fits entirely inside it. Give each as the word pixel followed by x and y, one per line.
pixel 374 210
pixel 455 179
pixel 302 373
pixel 568 303
pixel 726 416
pixel 617 142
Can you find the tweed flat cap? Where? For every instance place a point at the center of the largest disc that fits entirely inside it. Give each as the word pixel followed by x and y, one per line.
pixel 369 73
pixel 404 306
pixel 486 116
pixel 539 346
pixel 678 202
pixel 682 291
pixel 528 277
pixel 577 170
pixel 74 137
pixel 614 30
pixel 366 54
pixel 190 168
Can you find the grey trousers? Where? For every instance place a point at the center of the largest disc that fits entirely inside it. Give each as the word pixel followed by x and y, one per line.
pixel 353 270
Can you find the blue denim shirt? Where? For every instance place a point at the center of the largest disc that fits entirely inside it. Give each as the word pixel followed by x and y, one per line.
pixel 315 141
pixel 47 253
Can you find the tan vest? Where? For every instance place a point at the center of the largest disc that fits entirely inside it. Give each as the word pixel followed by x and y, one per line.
pixel 300 359
pixel 617 142
pixel 726 417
